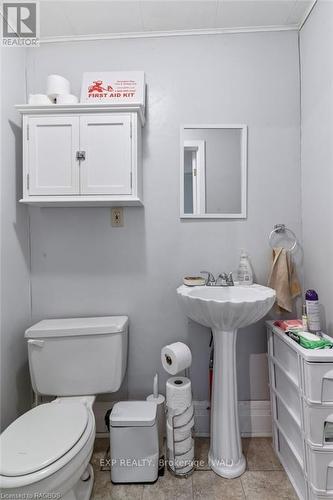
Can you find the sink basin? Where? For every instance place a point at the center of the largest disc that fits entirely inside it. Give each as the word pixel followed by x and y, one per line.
pixel 224 310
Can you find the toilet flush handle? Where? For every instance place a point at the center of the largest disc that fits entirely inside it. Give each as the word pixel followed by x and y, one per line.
pixel 37 343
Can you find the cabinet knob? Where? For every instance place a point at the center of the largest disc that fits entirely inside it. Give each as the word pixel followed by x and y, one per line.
pixel 80 155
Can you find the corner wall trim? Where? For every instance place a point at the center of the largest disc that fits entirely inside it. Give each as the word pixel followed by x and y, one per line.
pixel 254 418
pixel 307 14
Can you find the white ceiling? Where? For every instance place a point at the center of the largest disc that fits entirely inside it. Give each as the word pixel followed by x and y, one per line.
pixel 82 18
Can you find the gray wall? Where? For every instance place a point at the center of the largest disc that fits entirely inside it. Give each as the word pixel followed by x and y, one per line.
pixel 15 296
pixel 83 266
pixel 316 45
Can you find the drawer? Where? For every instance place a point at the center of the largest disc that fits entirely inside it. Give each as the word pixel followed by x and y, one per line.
pixel 290 428
pixel 318 382
pixel 287 358
pixel 288 392
pixel 320 470
pixel 292 467
pixel 313 495
pixel 318 425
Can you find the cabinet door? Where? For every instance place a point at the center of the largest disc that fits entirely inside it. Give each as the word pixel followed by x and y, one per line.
pixel 107 143
pixel 52 165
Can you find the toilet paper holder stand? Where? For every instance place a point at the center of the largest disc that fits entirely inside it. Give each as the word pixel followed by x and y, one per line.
pixel 175 470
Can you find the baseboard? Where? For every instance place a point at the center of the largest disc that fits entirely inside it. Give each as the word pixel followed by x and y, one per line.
pixel 254 418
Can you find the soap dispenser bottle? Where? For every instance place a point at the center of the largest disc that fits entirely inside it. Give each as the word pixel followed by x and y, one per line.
pixel 245 272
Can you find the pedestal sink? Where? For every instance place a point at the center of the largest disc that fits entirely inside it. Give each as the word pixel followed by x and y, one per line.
pixel 224 310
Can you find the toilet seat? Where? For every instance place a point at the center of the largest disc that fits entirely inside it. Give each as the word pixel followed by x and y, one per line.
pixel 29 459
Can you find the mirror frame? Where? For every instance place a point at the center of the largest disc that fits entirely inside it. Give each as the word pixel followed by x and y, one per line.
pixel 243 213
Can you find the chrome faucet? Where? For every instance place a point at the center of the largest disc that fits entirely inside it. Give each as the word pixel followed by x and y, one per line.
pixel 210 280
pixel 223 279
pixel 226 279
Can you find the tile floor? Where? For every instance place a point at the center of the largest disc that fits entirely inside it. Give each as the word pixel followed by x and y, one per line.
pixel 264 478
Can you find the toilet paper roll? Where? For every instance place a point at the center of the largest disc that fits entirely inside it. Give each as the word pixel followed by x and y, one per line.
pixel 183 432
pixel 66 99
pixel 57 85
pixel 181 439
pixel 176 357
pixel 184 457
pixel 183 419
pixel 178 394
pixel 181 447
pixel 182 463
pixel 39 99
pixel 183 471
pixel 179 434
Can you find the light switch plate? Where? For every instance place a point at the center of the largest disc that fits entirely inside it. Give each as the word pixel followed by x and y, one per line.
pixel 117 217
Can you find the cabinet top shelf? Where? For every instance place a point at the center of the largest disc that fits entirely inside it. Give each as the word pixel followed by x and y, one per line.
pixel 32 109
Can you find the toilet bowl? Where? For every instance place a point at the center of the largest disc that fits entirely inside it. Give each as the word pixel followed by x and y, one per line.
pixel 47 450
pixel 45 453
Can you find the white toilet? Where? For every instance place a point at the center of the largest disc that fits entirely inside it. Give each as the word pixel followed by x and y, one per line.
pixel 46 451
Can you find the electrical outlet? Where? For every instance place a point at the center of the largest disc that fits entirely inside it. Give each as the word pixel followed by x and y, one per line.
pixel 117 217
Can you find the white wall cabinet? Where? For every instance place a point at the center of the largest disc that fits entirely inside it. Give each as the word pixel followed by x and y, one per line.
pixel 106 142
pixel 52 168
pixel 82 155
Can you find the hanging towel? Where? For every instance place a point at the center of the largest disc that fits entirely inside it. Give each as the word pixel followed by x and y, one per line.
pixel 284 280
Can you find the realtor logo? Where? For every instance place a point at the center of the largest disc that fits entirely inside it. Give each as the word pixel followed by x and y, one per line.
pixel 20 23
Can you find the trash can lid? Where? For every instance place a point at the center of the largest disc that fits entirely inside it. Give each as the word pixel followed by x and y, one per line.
pixel 133 414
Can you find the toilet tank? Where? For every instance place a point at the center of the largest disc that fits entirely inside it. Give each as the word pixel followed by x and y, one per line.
pixel 78 356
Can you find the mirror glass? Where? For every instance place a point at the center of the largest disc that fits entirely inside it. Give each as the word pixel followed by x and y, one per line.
pixel 213 171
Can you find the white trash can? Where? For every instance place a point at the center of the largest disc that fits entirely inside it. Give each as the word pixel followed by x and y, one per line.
pixel 134 442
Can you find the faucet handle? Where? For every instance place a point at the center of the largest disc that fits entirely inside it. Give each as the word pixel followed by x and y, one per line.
pixel 210 277
pixel 223 277
pixel 230 279
pixel 226 279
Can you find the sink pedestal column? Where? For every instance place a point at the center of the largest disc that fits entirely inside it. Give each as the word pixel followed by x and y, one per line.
pixel 225 454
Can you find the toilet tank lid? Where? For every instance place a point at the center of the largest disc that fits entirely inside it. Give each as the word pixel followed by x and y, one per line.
pixel 133 414
pixel 68 327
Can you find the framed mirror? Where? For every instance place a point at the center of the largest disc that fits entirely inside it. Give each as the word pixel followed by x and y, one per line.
pixel 213 180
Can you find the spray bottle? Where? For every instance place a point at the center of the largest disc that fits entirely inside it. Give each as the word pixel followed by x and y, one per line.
pixel 312 311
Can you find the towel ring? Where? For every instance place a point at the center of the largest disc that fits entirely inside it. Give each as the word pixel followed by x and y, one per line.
pixel 281 228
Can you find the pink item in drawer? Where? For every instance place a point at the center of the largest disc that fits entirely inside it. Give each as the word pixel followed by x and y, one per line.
pixel 288 323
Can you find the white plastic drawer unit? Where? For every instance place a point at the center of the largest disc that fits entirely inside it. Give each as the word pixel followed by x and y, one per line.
pixel 301 387
pixel 287 358
pixel 318 382
pixel 290 427
pixel 320 470
pixel 318 425
pixel 318 496
pixel 288 391
pixel 82 155
pixel 294 469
